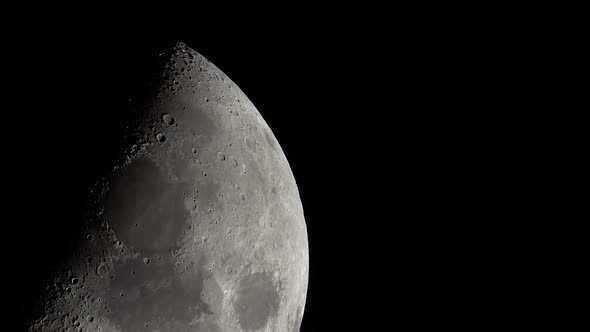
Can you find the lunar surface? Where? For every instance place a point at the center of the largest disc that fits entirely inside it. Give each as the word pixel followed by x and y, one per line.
pixel 197 227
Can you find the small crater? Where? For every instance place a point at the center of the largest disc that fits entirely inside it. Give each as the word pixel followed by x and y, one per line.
pixel 101 270
pixel 233 161
pixel 168 119
pixel 161 138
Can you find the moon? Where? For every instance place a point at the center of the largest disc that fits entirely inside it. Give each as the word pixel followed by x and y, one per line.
pixel 198 226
